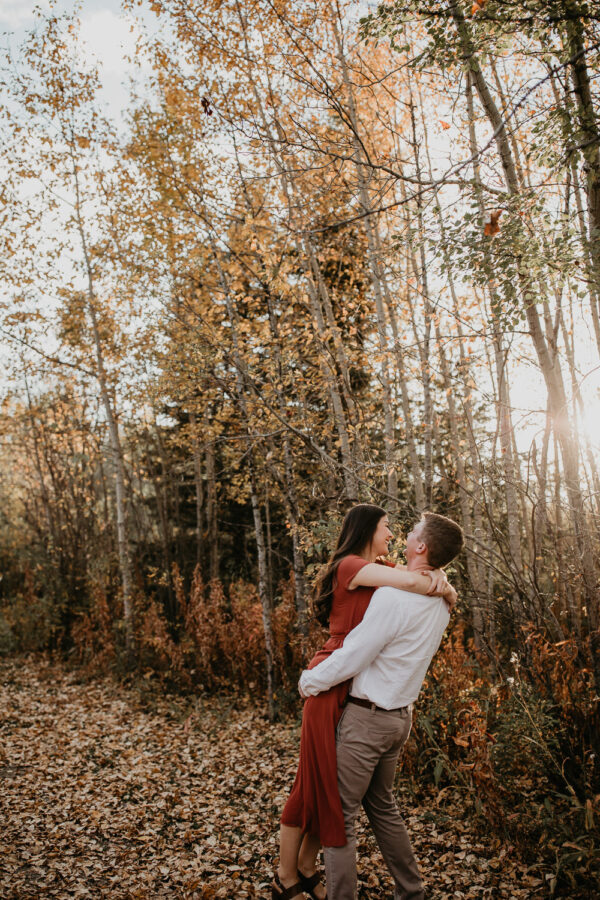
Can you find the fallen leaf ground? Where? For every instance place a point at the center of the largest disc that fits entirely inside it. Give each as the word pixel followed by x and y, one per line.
pixel 105 792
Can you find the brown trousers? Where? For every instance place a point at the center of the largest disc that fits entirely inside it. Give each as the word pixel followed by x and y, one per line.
pixel 368 745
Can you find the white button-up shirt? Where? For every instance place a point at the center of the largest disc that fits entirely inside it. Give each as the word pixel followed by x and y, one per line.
pixel 388 654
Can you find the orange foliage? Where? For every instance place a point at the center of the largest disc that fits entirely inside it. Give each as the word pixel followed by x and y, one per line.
pixel 156 649
pixel 243 639
pixel 560 675
pixel 93 633
pixel 492 226
pixel 204 625
pixel 451 708
pixel 292 649
pixel 221 639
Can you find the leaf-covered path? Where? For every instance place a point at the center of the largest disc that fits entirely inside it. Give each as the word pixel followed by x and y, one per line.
pixel 103 794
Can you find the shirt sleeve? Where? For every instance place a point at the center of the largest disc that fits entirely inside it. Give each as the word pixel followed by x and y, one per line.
pixel 348 568
pixel 381 623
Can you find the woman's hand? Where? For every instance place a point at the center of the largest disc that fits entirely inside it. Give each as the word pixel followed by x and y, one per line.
pixel 441 587
pixel 450 597
pixel 439 582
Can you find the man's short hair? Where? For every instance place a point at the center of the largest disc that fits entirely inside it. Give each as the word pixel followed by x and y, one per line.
pixel 444 539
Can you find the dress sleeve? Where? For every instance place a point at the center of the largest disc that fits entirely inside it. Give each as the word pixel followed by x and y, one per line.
pixel 348 568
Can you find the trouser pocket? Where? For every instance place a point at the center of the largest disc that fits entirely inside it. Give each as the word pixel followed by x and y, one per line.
pixel 338 727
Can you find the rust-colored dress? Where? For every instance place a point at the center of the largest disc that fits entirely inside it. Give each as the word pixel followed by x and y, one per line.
pixel 314 803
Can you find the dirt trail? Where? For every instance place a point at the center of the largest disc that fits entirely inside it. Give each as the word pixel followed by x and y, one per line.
pixel 103 794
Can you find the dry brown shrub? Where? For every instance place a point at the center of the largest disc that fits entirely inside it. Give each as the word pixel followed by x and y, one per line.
pixel 451 739
pixel 243 641
pixel 156 648
pixel 293 649
pixel 204 620
pixel 287 641
pixel 30 617
pixel 93 634
pixel 561 675
pixel 179 589
pixel 223 636
pixel 459 676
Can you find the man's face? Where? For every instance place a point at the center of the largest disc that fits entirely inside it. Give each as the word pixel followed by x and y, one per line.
pixel 414 542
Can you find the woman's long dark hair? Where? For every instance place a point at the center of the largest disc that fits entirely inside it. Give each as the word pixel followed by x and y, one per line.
pixel 356 534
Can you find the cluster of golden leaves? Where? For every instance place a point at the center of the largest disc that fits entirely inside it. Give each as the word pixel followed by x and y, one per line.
pixel 110 793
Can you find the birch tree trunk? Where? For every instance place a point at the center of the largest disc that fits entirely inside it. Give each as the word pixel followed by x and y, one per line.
pixel 588 125
pixel 378 278
pixel 211 504
pixel 470 489
pixel 123 537
pixel 199 487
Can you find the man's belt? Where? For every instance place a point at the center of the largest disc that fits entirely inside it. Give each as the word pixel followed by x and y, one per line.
pixel 368 705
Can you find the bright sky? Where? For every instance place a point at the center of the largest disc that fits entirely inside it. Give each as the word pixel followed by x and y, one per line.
pixel 106 30
pixel 110 40
pixel 110 37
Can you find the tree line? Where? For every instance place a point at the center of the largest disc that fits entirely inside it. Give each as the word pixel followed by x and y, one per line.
pixel 326 260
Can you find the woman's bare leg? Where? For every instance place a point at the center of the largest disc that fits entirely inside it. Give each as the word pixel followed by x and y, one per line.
pixel 290 839
pixel 307 860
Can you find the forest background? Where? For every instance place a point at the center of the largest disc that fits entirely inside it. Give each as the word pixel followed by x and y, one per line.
pixel 329 252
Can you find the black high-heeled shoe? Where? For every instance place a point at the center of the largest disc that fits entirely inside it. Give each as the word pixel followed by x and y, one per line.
pixel 279 892
pixel 309 883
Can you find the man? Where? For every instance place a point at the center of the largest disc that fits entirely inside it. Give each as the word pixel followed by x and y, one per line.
pixel 387 655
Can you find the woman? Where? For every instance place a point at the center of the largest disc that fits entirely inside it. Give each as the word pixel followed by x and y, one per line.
pixel 313 813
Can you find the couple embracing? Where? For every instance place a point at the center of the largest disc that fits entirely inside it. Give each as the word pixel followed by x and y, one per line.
pixel 385 624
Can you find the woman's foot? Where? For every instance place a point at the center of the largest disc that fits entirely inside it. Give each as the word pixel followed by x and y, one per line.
pixel 312 884
pixel 285 887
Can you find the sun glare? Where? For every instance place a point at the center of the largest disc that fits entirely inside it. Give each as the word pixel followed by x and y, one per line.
pixel 589 423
